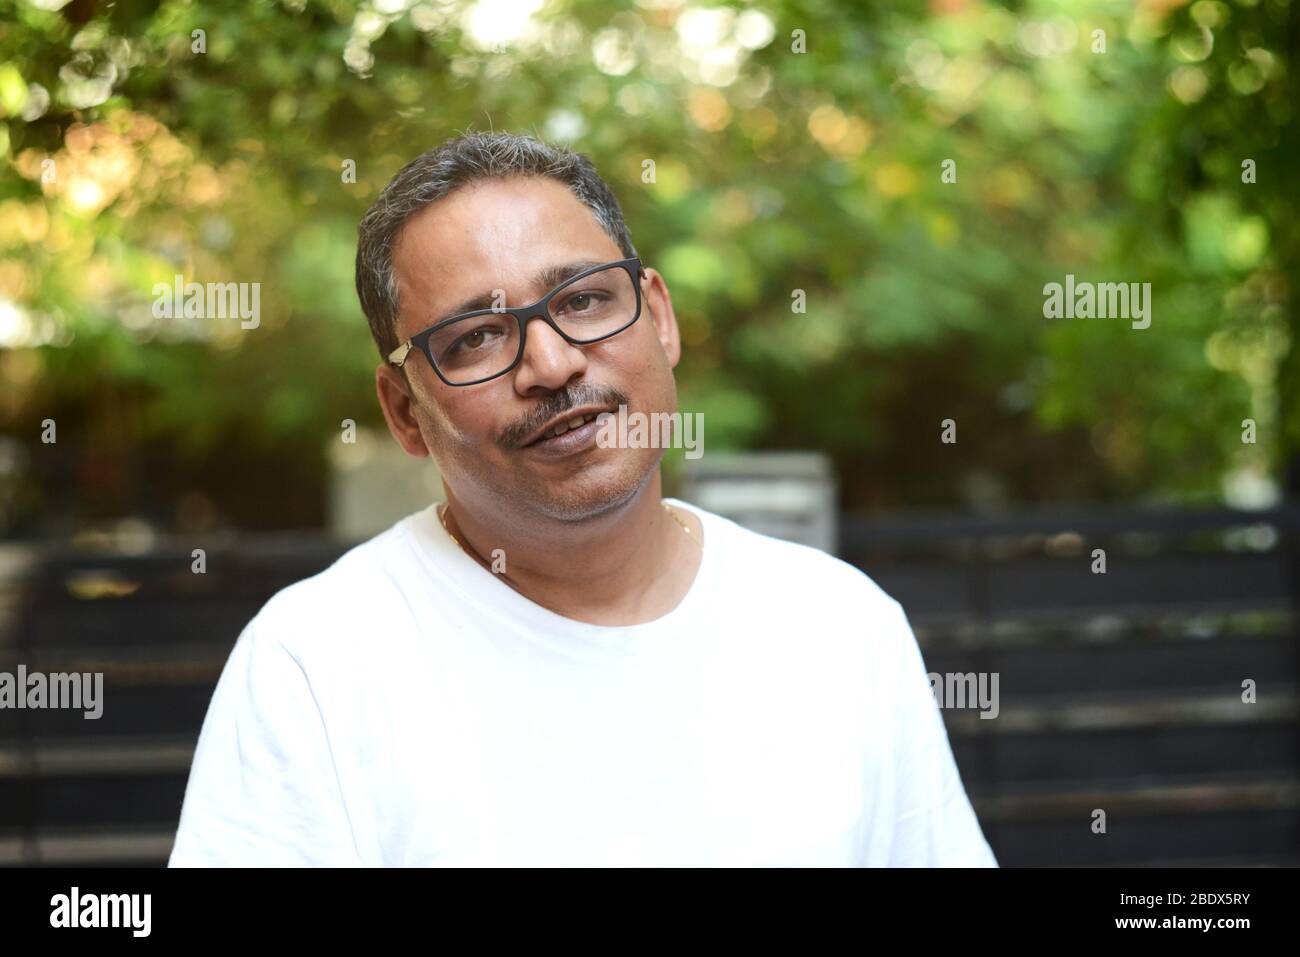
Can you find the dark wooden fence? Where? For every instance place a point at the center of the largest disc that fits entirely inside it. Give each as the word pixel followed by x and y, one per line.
pixel 75 791
pixel 1119 691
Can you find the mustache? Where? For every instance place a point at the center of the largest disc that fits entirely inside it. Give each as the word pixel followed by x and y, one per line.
pixel 556 404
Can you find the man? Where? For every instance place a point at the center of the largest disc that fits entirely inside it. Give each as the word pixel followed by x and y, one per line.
pixel 560 667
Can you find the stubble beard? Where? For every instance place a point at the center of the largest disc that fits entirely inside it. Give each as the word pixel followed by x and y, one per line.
pixel 579 497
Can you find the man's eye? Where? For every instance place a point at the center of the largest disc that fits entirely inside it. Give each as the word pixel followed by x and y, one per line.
pixel 475 340
pixel 581 302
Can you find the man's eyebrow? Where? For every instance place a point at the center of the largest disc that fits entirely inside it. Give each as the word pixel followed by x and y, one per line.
pixel 547 279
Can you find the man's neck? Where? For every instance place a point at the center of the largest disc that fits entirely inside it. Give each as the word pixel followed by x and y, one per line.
pixel 629 567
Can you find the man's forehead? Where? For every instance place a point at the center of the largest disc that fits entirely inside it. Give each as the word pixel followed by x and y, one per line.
pixel 494 224
pixel 522 237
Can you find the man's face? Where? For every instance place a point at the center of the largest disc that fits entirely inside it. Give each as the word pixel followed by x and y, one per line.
pixel 498 235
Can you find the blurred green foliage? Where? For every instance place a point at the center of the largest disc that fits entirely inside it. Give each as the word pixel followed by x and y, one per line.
pixel 777 167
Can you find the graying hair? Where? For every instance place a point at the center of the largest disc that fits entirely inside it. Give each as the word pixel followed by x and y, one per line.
pixel 436 173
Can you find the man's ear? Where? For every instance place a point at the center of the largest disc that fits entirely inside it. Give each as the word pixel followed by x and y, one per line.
pixel 656 300
pixel 399 411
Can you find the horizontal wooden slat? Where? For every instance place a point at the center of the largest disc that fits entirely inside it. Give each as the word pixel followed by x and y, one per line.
pixel 124 848
pixel 941 528
pixel 1137 667
pixel 1005 761
pixel 1137 838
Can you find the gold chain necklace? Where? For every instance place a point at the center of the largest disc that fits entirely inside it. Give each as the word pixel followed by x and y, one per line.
pixel 442 517
pixel 682 522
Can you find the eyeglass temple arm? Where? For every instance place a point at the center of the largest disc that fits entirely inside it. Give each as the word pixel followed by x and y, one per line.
pixel 398 355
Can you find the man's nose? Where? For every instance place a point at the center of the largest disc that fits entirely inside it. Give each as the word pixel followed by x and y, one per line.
pixel 548 362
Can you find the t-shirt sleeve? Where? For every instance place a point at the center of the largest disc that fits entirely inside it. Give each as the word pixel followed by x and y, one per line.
pixel 935 825
pixel 263 790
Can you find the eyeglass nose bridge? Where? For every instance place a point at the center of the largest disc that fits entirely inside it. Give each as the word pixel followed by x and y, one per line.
pixel 524 314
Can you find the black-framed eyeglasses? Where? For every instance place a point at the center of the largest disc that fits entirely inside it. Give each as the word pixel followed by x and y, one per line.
pixel 474 347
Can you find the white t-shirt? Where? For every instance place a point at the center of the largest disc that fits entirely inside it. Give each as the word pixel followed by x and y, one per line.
pixel 406 708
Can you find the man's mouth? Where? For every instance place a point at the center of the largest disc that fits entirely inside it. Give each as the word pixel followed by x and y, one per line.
pixel 574 423
pixel 575 432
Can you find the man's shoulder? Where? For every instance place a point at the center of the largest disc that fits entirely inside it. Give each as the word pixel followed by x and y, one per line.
pixel 768 561
pixel 837 614
pixel 353 590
